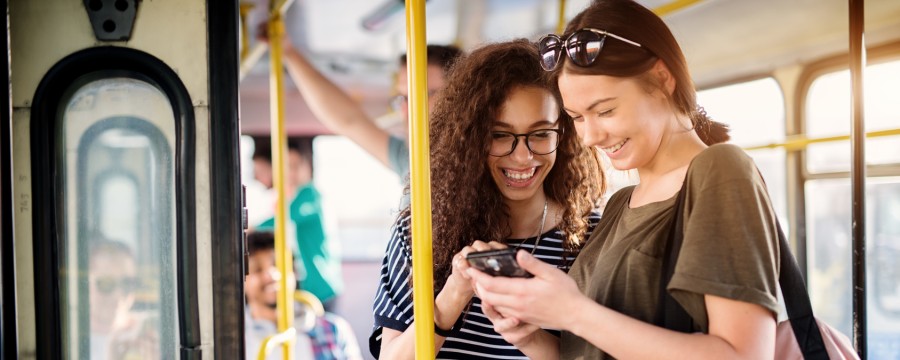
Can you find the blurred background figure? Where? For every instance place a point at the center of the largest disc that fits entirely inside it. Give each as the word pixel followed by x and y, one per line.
pixel 117 330
pixel 316 258
pixel 320 336
pixel 337 110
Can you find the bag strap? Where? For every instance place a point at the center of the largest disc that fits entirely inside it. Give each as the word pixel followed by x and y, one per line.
pixel 670 314
pixel 796 299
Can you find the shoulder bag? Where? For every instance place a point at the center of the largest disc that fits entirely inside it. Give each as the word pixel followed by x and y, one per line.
pixel 802 336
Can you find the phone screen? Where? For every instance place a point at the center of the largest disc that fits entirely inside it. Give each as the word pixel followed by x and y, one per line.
pixel 497 263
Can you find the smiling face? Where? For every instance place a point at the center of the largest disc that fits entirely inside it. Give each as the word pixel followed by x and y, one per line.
pixel 111 278
pixel 619 117
pixel 261 283
pixel 520 175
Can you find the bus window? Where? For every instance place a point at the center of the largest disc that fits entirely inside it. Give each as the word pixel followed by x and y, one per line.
pixel 118 213
pixel 829 257
pixel 116 257
pixel 755 122
pixel 361 197
pixel 828 114
pixel 828 206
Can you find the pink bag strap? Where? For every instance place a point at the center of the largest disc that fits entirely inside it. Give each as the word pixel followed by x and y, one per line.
pixel 796 301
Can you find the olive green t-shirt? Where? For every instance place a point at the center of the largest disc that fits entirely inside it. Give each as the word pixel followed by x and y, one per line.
pixel 730 247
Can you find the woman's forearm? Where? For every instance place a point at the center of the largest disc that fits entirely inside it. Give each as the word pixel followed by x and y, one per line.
pixel 542 345
pixel 448 306
pixel 624 337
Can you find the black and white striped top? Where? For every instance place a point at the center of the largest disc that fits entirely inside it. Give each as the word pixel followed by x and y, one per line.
pixel 475 338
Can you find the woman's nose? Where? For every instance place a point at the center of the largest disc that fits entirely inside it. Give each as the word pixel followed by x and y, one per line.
pixel 591 132
pixel 521 151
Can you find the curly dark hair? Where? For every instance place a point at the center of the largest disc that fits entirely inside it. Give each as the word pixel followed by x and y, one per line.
pixel 466 203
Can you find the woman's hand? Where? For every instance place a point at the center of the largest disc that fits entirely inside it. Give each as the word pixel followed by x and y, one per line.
pixel 459 279
pixel 513 331
pixel 459 288
pixel 541 300
pixel 262 34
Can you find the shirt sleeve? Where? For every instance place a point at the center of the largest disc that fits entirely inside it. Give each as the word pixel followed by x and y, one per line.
pixel 730 246
pixel 346 341
pixel 398 156
pixel 393 307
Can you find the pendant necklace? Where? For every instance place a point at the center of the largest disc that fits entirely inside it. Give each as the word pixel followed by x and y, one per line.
pixel 537 239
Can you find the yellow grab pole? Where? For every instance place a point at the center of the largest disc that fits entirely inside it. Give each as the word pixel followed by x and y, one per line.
pixel 561 22
pixel 283 254
pixel 673 6
pixel 800 142
pixel 255 53
pixel 420 179
pixel 245 9
pixel 270 342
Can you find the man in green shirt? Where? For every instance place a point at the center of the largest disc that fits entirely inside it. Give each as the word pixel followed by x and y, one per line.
pixel 318 260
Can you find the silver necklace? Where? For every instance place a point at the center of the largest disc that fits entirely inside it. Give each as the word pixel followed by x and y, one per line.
pixel 537 239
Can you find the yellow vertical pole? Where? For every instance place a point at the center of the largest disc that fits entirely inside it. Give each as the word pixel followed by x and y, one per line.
pixel 420 179
pixel 283 254
pixel 561 22
pixel 245 9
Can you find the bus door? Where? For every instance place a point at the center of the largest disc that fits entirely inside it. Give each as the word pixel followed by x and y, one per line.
pixel 126 195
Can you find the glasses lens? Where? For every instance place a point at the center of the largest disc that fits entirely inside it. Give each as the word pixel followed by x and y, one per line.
pixel 549 46
pixel 542 142
pixel 502 143
pixel 584 46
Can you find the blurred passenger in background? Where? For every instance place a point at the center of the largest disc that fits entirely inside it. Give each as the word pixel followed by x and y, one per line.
pixel 321 335
pixel 341 114
pixel 317 258
pixel 117 331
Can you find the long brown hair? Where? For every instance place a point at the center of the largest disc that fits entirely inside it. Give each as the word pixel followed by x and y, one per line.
pixel 633 21
pixel 466 203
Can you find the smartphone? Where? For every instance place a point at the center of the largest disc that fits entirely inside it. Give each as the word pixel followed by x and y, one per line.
pixel 497 263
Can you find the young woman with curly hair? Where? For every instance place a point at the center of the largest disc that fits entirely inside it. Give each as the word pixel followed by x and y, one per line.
pixel 507 170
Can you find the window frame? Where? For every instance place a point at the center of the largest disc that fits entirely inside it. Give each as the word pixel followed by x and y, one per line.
pixel 48 170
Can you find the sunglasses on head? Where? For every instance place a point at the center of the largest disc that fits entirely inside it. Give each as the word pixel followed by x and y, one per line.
pixel 583 47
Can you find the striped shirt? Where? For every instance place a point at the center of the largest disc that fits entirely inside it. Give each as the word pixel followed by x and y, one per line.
pixel 473 336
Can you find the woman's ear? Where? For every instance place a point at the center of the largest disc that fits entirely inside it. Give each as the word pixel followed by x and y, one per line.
pixel 661 71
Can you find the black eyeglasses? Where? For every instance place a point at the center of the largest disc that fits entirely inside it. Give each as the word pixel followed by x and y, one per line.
pixel 583 47
pixel 539 142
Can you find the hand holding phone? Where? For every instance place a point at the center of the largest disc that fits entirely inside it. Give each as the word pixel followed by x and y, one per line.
pixel 497 263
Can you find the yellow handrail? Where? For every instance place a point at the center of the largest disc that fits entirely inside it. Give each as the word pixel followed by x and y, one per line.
pixel 420 179
pixel 673 6
pixel 245 8
pixel 283 255
pixel 269 343
pixel 800 142
pixel 307 298
pixel 561 22
pixel 257 51
pixel 661 10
